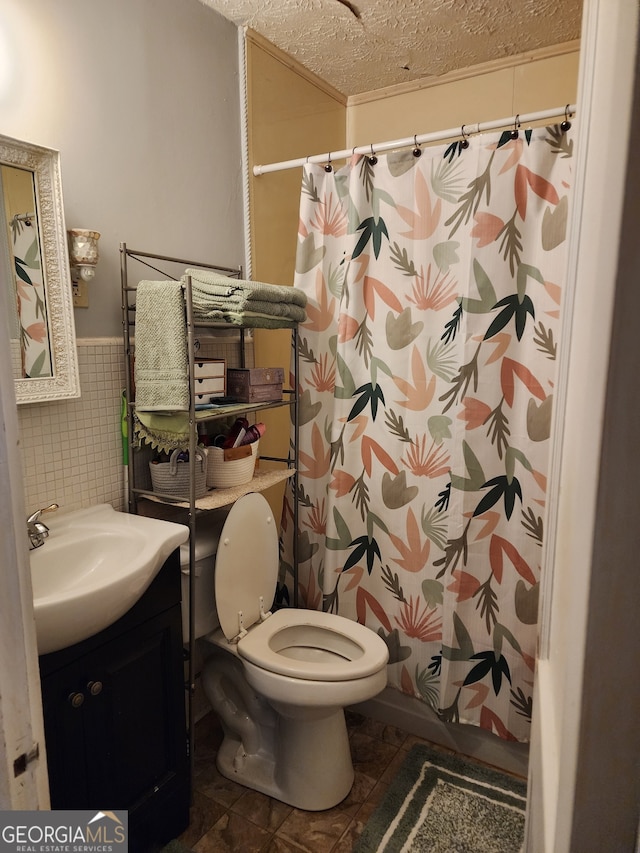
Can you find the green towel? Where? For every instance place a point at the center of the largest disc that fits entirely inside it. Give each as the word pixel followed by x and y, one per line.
pixel 290 312
pixel 163 431
pixel 251 319
pixel 124 430
pixel 162 364
pixel 215 292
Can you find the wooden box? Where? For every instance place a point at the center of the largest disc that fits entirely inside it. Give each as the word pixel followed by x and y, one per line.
pixel 256 384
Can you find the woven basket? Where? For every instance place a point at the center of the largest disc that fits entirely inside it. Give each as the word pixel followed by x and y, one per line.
pixel 172 477
pixel 223 473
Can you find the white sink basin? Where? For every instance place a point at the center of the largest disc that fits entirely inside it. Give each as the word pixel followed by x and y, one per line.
pixel 93 567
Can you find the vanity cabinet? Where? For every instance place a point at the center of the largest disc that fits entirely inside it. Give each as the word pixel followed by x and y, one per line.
pixel 114 714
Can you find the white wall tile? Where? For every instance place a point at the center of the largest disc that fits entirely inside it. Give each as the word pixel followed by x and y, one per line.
pixel 71 450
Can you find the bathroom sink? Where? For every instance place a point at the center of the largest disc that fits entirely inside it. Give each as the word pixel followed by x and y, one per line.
pixel 93 567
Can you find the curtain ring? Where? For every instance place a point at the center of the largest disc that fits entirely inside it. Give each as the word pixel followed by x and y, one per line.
pixel 566 124
pixel 328 167
pixel 417 151
pixel 465 138
pixel 372 158
pixel 514 133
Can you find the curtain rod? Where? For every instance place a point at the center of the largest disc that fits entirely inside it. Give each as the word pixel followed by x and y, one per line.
pixel 425 138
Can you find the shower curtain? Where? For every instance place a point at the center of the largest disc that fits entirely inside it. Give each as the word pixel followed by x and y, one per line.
pixel 427 371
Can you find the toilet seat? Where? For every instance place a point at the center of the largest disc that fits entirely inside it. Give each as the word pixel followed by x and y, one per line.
pixel 312 645
pixel 246 569
pixel 303 644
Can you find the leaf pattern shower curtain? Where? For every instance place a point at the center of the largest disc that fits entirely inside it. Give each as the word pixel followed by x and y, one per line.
pixel 427 370
pixel 32 328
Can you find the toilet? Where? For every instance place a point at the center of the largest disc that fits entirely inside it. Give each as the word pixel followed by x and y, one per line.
pixel 279 681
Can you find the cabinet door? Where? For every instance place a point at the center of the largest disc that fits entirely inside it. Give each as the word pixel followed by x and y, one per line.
pixel 62 701
pixel 135 726
pixel 115 720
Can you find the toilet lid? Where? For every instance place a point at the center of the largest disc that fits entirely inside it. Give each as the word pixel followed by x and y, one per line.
pixel 246 564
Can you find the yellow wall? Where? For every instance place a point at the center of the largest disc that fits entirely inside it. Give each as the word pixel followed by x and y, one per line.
pixel 529 83
pixel 18 192
pixel 290 114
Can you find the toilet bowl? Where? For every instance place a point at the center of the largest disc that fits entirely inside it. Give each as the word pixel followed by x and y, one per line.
pixel 279 681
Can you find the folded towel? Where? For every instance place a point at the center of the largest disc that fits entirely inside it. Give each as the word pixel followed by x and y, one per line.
pixel 162 364
pixel 251 319
pixel 254 308
pixel 213 290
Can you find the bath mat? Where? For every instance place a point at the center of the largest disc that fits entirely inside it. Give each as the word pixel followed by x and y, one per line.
pixel 176 846
pixel 440 803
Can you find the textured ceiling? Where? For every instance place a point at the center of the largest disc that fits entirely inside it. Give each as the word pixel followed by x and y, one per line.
pixel 363 45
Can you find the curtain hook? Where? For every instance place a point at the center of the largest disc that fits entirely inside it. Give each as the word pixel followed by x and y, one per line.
pixel 417 151
pixel 514 133
pixel 566 124
pixel 465 138
pixel 372 158
pixel 328 167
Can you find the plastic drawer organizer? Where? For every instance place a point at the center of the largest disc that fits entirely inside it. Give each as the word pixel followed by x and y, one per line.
pixel 221 477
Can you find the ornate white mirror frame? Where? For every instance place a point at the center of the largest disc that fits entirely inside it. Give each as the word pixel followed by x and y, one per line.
pixel 44 165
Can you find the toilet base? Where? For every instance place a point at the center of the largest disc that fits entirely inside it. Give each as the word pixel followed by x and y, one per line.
pixel 310 768
pixel 253 771
pixel 314 757
pixel 300 756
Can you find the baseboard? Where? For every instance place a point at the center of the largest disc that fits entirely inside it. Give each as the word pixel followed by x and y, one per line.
pixel 416 718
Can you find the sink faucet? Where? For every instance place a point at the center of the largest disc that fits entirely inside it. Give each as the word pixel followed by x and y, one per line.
pixel 36 529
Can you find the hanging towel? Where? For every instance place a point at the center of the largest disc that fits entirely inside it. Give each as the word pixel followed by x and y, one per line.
pixel 162 364
pixel 163 431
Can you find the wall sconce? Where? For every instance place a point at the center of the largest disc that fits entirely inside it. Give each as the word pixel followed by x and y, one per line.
pixel 83 253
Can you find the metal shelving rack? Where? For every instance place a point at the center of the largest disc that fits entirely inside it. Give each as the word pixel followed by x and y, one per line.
pixel 197 329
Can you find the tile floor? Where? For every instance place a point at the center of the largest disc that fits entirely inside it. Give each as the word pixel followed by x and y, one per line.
pixel 226 816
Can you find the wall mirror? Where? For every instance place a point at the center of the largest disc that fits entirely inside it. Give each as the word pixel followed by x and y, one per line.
pixel 36 268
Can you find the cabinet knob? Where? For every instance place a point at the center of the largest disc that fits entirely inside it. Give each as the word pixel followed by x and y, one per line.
pixel 76 699
pixel 94 687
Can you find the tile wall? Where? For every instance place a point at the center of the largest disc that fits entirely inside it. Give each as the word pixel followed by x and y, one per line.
pixel 72 450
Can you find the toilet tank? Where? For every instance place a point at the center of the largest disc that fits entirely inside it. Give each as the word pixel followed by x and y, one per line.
pixel 208 528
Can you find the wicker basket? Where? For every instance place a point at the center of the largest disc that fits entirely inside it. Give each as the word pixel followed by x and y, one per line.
pixel 173 478
pixel 224 471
